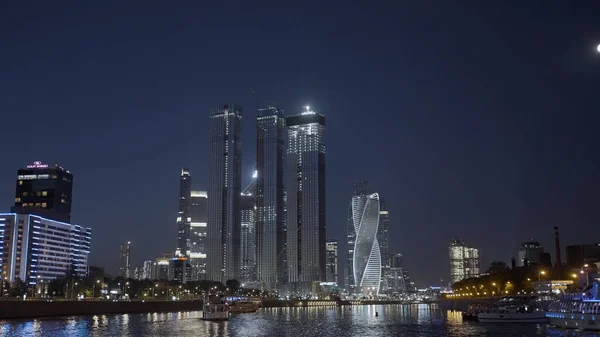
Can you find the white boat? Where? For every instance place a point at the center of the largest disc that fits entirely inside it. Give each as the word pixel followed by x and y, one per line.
pixel 215 309
pixel 577 311
pixel 514 309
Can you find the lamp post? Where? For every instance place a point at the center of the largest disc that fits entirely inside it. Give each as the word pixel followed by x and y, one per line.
pixel 540 275
pixel 587 274
pixel 94 291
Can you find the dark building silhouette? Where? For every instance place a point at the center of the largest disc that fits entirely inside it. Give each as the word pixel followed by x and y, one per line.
pixel 44 190
pixel 578 255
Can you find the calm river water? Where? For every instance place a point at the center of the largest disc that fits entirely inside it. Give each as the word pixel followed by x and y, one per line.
pixel 360 321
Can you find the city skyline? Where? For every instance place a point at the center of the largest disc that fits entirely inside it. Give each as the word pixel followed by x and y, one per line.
pixel 463 127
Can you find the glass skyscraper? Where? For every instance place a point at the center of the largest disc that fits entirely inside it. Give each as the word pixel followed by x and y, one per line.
pixel 270 217
pixel 248 238
pixel 224 190
pixel 464 261
pixel 199 203
pixel 306 233
pixel 366 255
pixel 125 257
pixel 361 189
pixel 184 217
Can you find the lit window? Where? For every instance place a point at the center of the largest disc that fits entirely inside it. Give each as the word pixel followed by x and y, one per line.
pixel 63 201
pixel 20 182
pixel 24 204
pixel 37 204
pixel 25 194
pixel 17 199
pixel 44 193
pixel 44 204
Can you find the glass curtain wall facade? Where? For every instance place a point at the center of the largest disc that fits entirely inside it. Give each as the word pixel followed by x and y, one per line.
pixel 306 230
pixel 367 256
pixel 464 261
pixel 270 216
pixel 332 262
pixel 125 257
pixel 361 189
pixel 184 215
pixel 199 214
pixel 224 189
pixel 248 239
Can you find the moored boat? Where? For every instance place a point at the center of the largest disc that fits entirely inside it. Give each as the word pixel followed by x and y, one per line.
pixel 514 309
pixel 577 311
pixel 215 308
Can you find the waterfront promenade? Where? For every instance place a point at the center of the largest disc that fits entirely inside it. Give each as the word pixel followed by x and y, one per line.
pixel 10 309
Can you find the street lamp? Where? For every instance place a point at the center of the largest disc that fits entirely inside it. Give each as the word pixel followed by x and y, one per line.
pixel 587 274
pixel 94 291
pixel 540 275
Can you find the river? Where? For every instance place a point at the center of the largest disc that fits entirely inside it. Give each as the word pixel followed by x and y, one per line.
pixel 393 320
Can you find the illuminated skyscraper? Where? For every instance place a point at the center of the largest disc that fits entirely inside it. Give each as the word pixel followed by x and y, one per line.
pixel 366 256
pixel 248 239
pixel 306 231
pixel 125 266
pixel 224 191
pixel 270 217
pixel 331 261
pixel 464 261
pixel 361 189
pixel 184 216
pixel 199 214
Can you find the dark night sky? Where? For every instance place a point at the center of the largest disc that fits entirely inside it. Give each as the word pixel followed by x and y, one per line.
pixel 474 122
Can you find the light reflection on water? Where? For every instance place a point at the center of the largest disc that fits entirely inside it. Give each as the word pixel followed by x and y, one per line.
pixel 359 321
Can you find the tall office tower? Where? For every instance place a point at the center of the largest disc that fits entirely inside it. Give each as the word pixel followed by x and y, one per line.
pixel 306 233
pixel 125 266
pixel 366 256
pixel 147 270
pixel 394 275
pixel 332 261
pixel 224 189
pixel 44 190
pixel 529 253
pixel 184 218
pixel 248 239
pixel 382 233
pixel 199 215
pixel 270 216
pixel 35 249
pixel 382 239
pixel 464 261
pixel 361 189
pixel 162 268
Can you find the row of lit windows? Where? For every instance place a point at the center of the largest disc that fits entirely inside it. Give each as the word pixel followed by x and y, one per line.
pixel 31 204
pixel 38 194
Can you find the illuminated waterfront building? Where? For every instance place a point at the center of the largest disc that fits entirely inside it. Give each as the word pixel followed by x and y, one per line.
pixel 224 191
pixel 199 220
pixel 270 198
pixel 331 257
pixel 464 261
pixel 184 217
pixel 306 229
pixel 366 264
pixel 34 248
pixel 125 260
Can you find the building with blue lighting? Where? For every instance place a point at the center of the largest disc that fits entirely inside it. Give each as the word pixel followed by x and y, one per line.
pixel 34 248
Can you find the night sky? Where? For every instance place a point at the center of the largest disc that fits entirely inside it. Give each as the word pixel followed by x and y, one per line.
pixel 476 122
